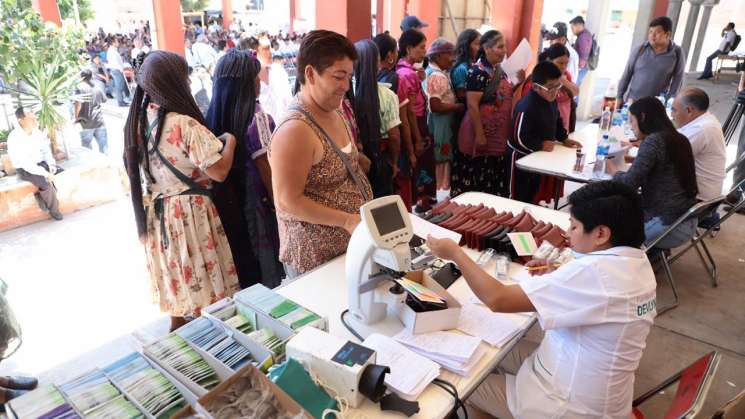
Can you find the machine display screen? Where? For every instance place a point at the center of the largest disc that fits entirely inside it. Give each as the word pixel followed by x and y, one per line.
pixel 387 218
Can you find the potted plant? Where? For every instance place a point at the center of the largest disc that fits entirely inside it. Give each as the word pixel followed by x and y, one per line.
pixel 40 63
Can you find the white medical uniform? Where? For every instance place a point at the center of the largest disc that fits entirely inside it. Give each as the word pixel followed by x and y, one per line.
pixel 596 311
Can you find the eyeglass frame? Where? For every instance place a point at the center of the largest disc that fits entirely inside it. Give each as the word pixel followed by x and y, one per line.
pixel 546 89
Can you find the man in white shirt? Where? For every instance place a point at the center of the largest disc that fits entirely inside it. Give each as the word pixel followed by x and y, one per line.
pixel 596 311
pixel 115 64
pixel 558 35
pixel 28 149
pixel 204 54
pixel 725 46
pixel 691 116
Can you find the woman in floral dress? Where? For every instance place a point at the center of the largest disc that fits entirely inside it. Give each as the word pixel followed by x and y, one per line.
pixel 171 159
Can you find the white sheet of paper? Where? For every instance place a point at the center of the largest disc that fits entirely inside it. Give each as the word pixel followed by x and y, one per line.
pixel 519 60
pixel 410 373
pixel 449 345
pixel 493 328
pixel 423 228
pixel 524 243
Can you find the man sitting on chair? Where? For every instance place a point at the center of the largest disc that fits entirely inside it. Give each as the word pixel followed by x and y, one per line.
pixel 727 45
pixel 28 149
pixel 692 118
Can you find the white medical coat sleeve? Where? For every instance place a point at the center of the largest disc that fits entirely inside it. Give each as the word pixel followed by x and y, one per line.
pixel 571 296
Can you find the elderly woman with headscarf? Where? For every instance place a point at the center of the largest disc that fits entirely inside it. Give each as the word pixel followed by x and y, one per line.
pixel 166 140
pixel 247 210
pixel 443 106
pixel 486 126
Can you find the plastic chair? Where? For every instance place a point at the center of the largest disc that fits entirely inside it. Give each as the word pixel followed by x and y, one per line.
pixel 695 381
pixel 696 212
pixel 733 409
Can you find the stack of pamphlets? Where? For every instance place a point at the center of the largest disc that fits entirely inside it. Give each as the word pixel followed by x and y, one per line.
pixel 95 396
pixel 146 385
pixel 174 352
pixel 215 340
pixel 45 402
pixel 276 306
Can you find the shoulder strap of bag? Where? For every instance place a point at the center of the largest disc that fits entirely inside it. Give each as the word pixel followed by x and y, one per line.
pixel 344 158
pixel 176 172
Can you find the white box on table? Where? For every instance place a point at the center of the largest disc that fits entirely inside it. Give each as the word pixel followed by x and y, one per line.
pixel 430 321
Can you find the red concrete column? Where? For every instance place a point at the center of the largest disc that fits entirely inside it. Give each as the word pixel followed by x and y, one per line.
pixel 292 15
pixel 169 26
pixel 352 18
pixel 227 13
pixel 379 15
pixel 48 10
pixel 398 11
pixel 518 19
pixel 660 8
pixel 427 11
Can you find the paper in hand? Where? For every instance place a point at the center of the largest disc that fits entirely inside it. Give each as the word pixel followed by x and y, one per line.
pixel 519 60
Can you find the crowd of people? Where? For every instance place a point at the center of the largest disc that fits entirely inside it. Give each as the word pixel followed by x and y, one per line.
pixel 256 184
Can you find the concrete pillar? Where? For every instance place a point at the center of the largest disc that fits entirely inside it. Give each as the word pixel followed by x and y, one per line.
pixel 168 25
pixel 645 15
pixel 427 11
pixel 673 12
pixel 518 19
pixel 394 14
pixel 379 16
pixel 48 11
pixel 598 17
pixel 227 13
pixel 352 18
pixel 292 15
pixel 691 25
pixel 661 8
pixel 708 6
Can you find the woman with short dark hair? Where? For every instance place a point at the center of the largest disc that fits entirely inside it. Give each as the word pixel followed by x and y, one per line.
pixel 317 180
pixel 665 171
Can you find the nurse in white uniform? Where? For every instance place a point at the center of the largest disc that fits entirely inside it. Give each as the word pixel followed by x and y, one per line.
pixel 596 312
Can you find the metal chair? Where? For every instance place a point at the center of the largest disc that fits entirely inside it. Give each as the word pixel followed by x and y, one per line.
pixel 695 381
pixel 696 212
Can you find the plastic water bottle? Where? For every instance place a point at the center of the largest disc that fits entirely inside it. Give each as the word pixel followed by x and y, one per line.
pixel 601 154
pixel 669 107
pixel 627 131
pixel 617 119
pixel 605 120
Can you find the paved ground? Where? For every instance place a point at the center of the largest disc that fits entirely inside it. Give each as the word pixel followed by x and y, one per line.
pixel 80 283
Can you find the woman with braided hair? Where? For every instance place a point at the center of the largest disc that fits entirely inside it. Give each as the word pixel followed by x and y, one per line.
pixel 245 199
pixel 171 159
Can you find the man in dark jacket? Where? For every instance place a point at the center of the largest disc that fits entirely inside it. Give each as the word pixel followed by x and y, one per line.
pixel 536 125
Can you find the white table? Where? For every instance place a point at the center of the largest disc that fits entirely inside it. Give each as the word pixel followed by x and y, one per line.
pixel 560 162
pixel 324 291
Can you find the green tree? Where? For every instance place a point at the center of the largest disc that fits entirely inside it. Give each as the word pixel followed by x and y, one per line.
pixel 194 5
pixel 40 62
pixel 66 8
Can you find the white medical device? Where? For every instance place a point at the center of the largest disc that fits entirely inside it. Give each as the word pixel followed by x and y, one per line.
pixel 378 249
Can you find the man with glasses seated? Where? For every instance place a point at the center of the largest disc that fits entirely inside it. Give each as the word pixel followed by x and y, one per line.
pixel 536 124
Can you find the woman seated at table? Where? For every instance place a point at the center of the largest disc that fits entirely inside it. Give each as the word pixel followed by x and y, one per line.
pixel 665 171
pixel 596 311
pixel 316 176
pixel 536 125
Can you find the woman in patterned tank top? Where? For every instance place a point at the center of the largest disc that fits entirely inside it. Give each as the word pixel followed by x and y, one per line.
pixel 318 183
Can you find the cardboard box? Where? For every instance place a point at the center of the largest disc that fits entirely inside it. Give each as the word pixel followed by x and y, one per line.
pixel 429 321
pixel 288 404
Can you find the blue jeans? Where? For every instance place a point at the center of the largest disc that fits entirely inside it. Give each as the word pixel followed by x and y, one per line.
pixel 120 84
pixel 654 227
pixel 87 135
pixel 582 74
pixel 710 63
